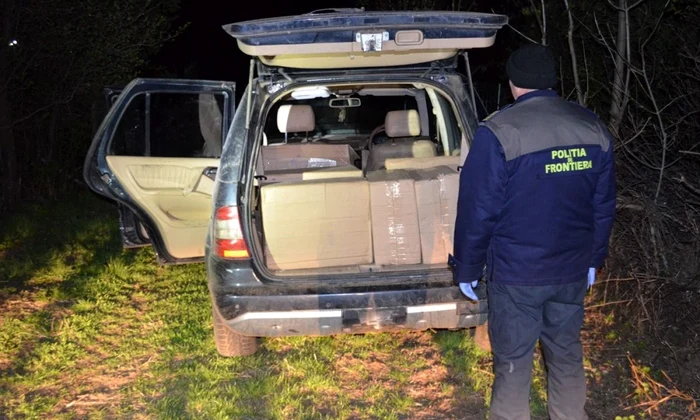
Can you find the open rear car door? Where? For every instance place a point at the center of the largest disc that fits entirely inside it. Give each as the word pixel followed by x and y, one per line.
pixel 156 154
pixel 352 38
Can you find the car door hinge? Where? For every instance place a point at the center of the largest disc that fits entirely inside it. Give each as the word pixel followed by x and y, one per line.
pixel 275 87
pixel 113 185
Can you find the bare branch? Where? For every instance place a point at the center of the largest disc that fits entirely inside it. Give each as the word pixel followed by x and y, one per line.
pixel 537 16
pixel 601 37
pixel 637 134
pixel 618 93
pixel 522 34
pixel 628 74
pixel 627 8
pixel 518 32
pixel 585 64
pixel 572 51
pixel 657 112
pixel 561 76
pixel 656 26
pixel 638 157
pixel 688 185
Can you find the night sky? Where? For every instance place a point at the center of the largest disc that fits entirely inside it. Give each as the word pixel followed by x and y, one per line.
pixel 205 51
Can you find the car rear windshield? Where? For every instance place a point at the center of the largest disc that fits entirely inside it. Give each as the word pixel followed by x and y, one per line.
pixel 359 120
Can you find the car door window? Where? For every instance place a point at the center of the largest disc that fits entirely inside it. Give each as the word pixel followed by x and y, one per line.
pixel 129 137
pixel 164 124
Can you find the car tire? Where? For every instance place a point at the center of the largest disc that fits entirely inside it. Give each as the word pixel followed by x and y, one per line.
pixel 481 337
pixel 231 344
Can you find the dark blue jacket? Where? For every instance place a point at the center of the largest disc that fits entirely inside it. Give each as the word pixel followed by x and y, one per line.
pixel 537 195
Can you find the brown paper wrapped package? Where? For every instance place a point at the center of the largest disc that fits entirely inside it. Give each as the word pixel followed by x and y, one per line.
pixel 437 190
pixel 317 224
pixel 395 232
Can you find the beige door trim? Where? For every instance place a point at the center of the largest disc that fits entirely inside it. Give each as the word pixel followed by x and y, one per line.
pixel 174 193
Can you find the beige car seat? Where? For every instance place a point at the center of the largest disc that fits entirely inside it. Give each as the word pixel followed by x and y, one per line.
pixel 403 129
pixel 296 119
pixel 290 119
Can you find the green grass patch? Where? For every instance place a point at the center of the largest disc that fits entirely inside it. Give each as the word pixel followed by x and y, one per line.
pixel 89 329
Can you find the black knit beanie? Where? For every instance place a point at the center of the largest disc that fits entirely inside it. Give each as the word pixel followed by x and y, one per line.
pixel 532 66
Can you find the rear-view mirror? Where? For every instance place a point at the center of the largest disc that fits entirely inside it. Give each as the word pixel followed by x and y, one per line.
pixel 344 103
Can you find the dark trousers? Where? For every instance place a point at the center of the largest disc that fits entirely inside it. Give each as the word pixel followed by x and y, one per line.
pixel 518 317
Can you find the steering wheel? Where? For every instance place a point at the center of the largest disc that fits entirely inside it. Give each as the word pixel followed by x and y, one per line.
pixel 375 132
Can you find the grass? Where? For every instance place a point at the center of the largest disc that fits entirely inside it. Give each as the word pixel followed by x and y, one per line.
pixel 88 329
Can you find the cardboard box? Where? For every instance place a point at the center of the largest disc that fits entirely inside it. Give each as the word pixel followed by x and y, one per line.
pixel 395 232
pixel 332 173
pixel 291 156
pixel 297 175
pixel 317 224
pixel 422 163
pixel 437 190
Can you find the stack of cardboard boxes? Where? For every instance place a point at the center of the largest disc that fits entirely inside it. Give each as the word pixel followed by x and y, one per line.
pixel 316 224
pixel 437 190
pixel 391 218
pixel 413 215
pixel 395 229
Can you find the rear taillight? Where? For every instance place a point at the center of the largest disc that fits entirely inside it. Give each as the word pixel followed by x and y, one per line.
pixel 228 235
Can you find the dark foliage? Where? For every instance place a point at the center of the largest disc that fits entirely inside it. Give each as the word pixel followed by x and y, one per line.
pixel 55 57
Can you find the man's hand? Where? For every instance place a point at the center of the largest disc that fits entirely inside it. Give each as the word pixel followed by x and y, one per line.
pixel 591 277
pixel 468 289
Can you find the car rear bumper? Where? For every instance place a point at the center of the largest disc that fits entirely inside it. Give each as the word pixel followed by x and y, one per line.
pixel 342 313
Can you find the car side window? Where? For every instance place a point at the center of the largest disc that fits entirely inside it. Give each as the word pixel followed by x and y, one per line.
pixel 451 125
pixel 128 139
pixel 166 124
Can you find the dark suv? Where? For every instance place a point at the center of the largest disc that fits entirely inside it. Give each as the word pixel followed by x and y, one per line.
pixel 323 203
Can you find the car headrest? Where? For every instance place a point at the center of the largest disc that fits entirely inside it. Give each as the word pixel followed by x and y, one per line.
pixel 402 123
pixel 296 119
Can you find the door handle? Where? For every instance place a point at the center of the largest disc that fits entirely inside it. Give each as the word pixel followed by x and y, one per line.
pixel 210 172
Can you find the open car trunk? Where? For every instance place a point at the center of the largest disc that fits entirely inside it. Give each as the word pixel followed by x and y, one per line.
pixel 367 184
pixel 360 178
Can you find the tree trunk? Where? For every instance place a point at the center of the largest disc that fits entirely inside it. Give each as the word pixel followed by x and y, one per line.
pixel 544 24
pixel 618 88
pixel 574 62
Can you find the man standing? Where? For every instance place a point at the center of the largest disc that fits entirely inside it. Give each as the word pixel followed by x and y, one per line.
pixel 536 207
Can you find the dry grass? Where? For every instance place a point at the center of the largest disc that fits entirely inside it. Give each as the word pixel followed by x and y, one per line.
pixel 653 394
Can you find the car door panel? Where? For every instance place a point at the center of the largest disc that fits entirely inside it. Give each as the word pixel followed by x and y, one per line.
pixel 166 189
pixel 159 187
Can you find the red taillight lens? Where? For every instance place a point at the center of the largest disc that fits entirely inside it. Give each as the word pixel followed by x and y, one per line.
pixel 228 235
